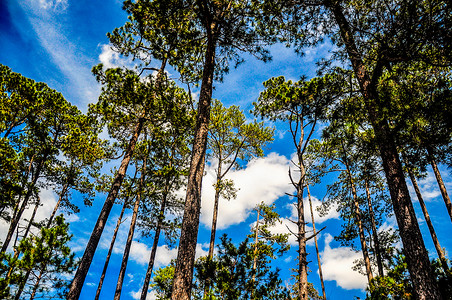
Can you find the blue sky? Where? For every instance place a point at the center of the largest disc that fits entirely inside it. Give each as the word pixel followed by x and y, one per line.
pixel 58 41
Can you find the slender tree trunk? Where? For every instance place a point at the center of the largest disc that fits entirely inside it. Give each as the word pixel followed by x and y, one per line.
pixel 36 285
pixel 439 179
pixel 110 250
pixel 301 223
pixel 183 273
pixel 214 219
pixel 147 278
pixel 214 225
pixel 416 254
pixel 57 205
pixel 18 215
pixel 80 275
pixel 125 256
pixel 301 236
pixel 316 244
pixel 24 279
pixel 358 220
pixel 374 231
pixel 22 285
pixel 16 252
pixel 256 241
pixel 438 248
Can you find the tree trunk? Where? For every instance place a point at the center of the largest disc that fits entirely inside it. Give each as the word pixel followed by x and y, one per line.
pixel 316 244
pixel 36 285
pixel 80 275
pixel 256 240
pixel 147 278
pixel 374 231
pixel 18 214
pixel 22 284
pixel 358 220
pixel 110 250
pixel 301 223
pixel 416 254
pixel 16 252
pixel 57 205
pixel 438 248
pixel 183 273
pixel 215 215
pixel 125 256
pixel 439 179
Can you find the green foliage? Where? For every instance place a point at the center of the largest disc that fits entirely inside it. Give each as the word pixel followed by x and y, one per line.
pixel 268 243
pixel 395 285
pixel 177 31
pixel 38 125
pixel 287 100
pixel 232 138
pixel 233 277
pixel 162 281
pixel 47 256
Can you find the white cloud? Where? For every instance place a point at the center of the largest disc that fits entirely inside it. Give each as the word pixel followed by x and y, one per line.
pixel 112 59
pixel 48 202
pixel 332 213
pixel 53 4
pixel 140 253
pixel 152 295
pixel 429 185
pixel 287 226
pixel 337 265
pixel 263 180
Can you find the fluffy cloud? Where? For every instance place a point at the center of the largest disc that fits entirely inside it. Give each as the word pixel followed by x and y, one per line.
pixel 152 295
pixel 263 180
pixel 337 265
pixel 140 253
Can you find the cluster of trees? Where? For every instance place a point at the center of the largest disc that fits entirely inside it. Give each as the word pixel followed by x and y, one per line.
pixel 383 98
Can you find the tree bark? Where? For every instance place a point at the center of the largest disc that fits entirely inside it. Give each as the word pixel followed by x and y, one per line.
pixel 147 278
pixel 301 223
pixel 439 179
pixel 374 231
pixel 358 220
pixel 215 212
pixel 183 273
pixel 314 232
pixel 256 240
pixel 110 250
pixel 82 270
pixel 416 254
pixel 133 222
pixel 57 205
pixel 438 248
pixel 36 285
pixel 18 213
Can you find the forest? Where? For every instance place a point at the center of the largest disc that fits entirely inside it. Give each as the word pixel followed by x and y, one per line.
pixel 164 183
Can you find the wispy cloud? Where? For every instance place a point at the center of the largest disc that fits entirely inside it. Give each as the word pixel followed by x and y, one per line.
pixel 46 19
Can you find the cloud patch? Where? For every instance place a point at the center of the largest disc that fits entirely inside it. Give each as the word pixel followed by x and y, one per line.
pixel 337 265
pixel 262 180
